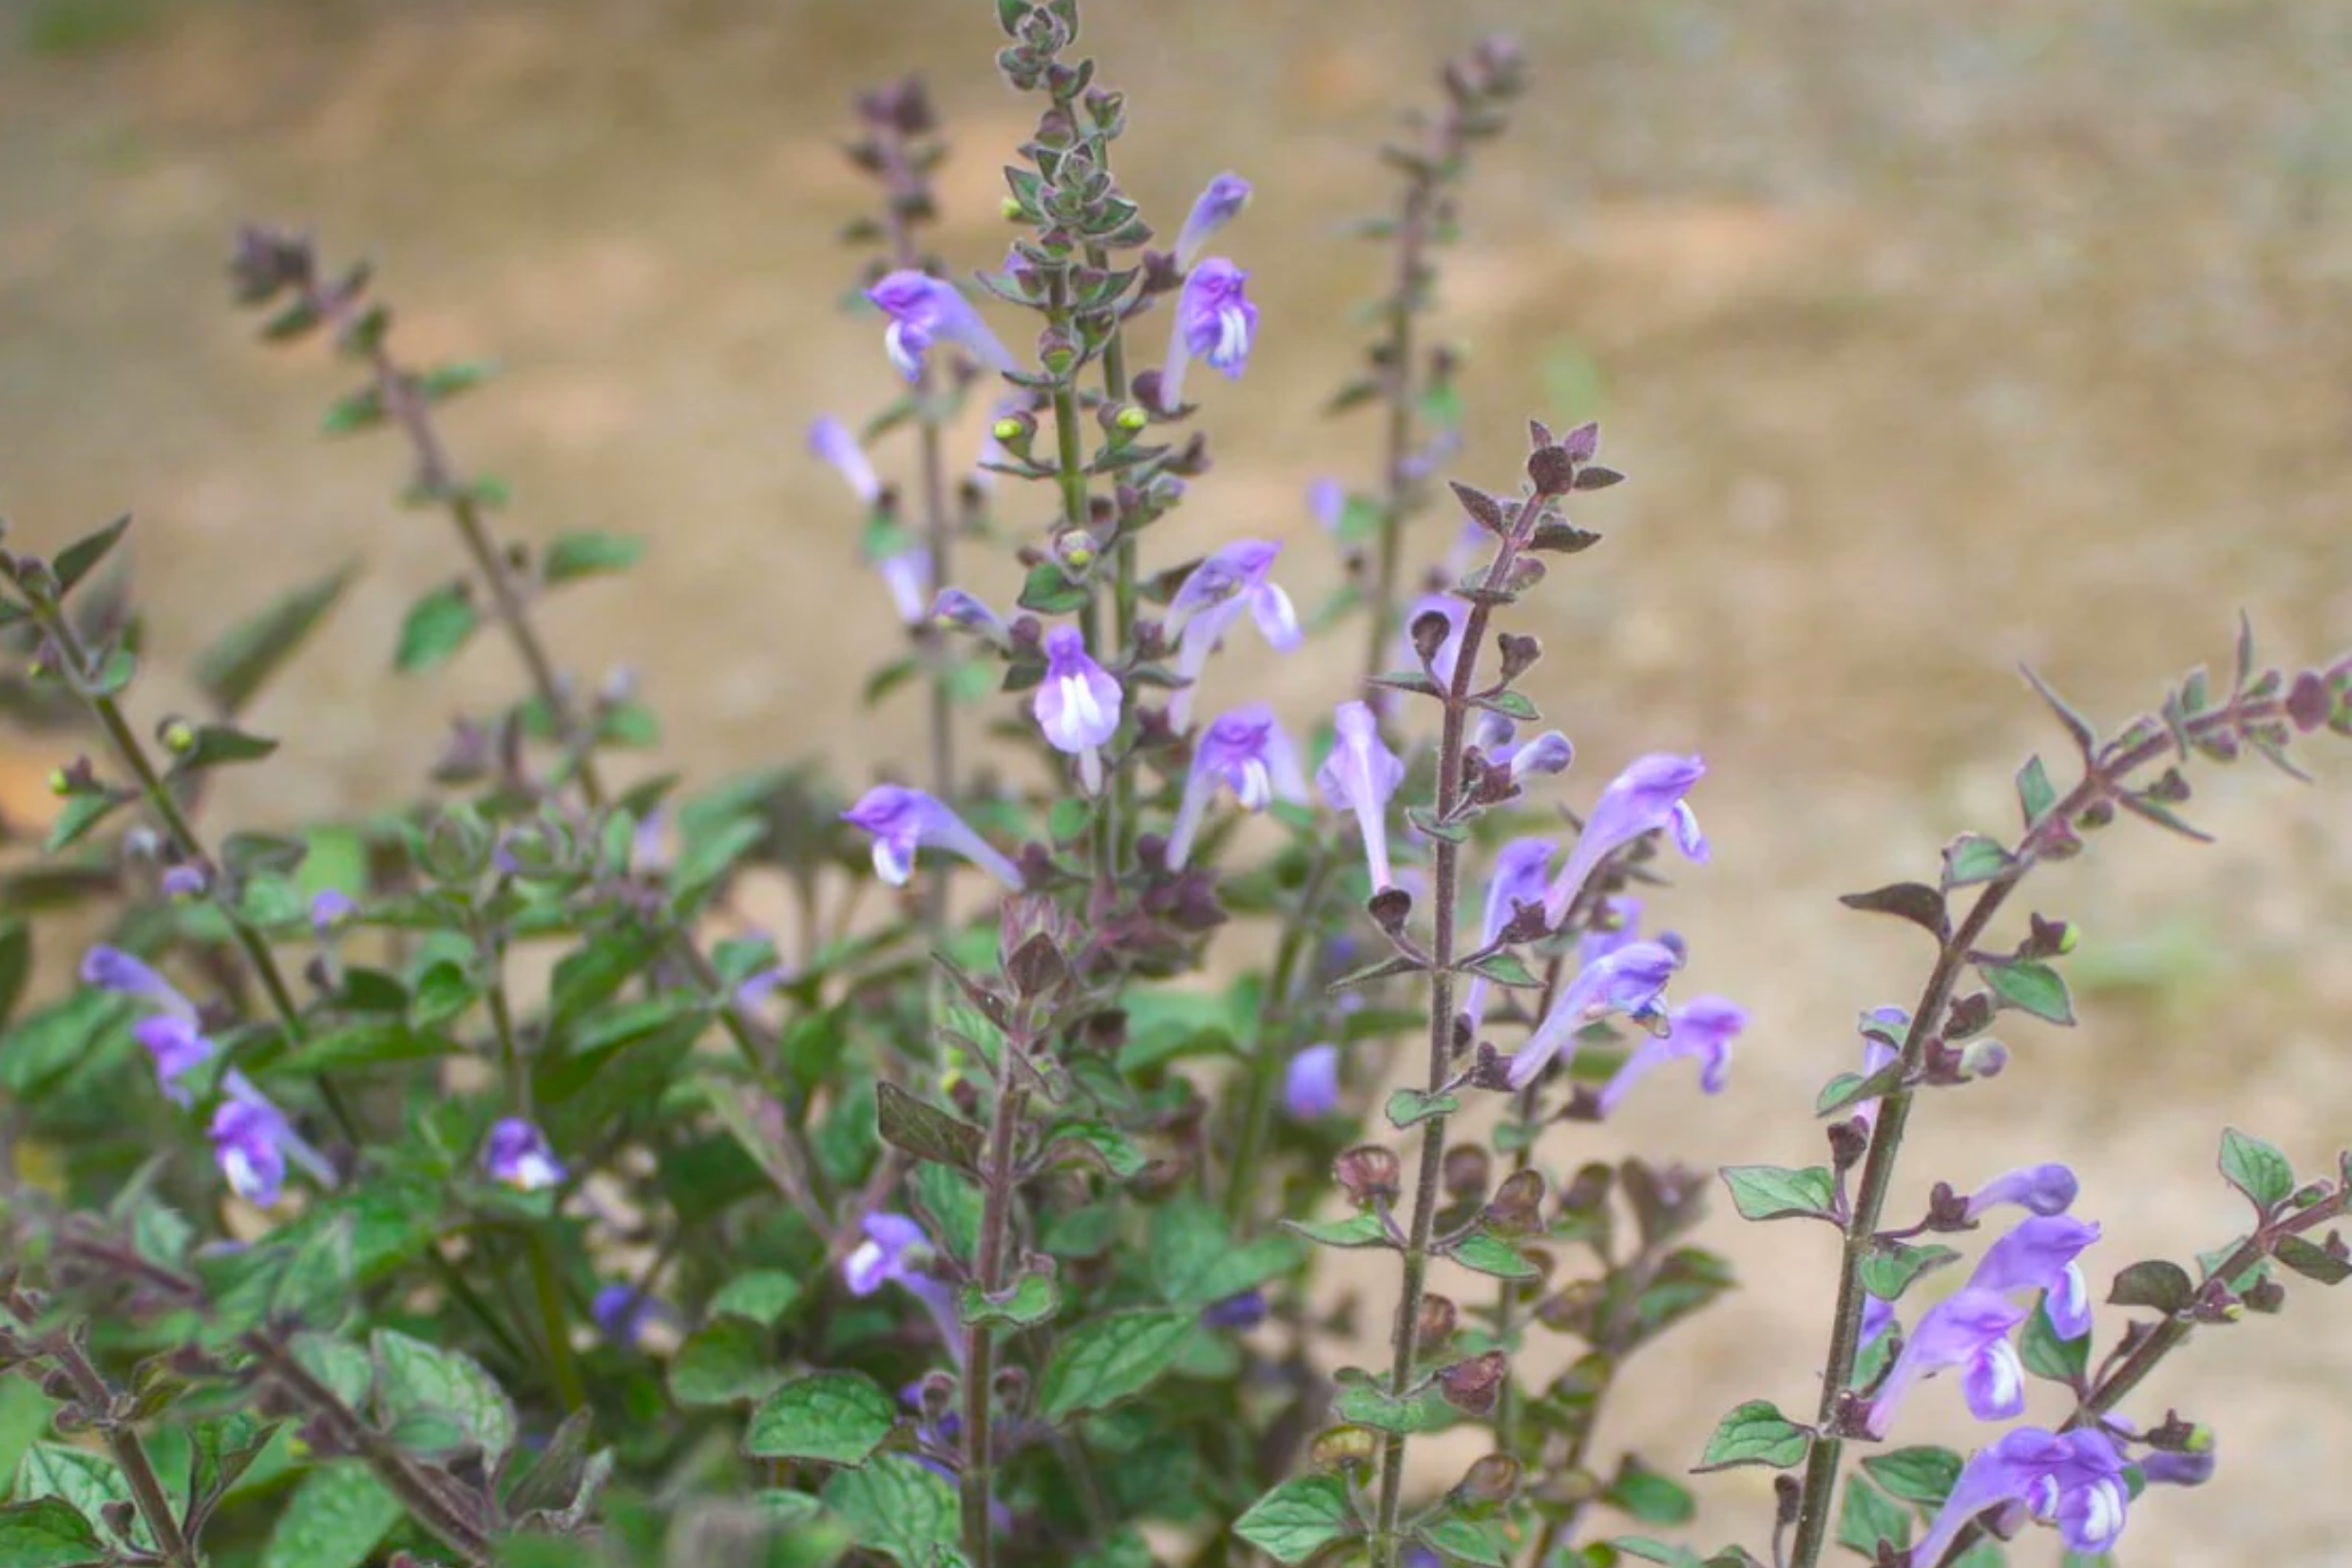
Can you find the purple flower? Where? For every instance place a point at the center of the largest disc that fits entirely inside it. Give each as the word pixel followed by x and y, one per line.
pixel 903 820
pixel 1645 796
pixel 1078 704
pixel 1327 503
pixel 926 310
pixel 177 1047
pixel 908 576
pixel 1702 1028
pixel 966 613
pixel 1970 1330
pixel 252 1141
pixel 2039 1189
pixel 1214 321
pixel 1517 879
pixel 2072 1479
pixel 112 969
pixel 1628 981
pixel 1217 206
pixel 331 910
pixel 757 986
pixel 184 881
pixel 1360 775
pixel 1245 750
pixel 517 1154
pixel 1549 753
pixel 1877 1317
pixel 1246 1311
pixel 1237 579
pixel 622 1312
pixel 1877 1055
pixel 896 1252
pixel 1456 613
pixel 1310 1086
pixel 2038 1255
pixel 830 439
pixel 1624 924
pixel 2163 1468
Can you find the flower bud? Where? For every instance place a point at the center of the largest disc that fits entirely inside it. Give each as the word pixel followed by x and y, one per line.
pixel 1369 1175
pixel 1466 1171
pixel 1491 1480
pixel 1131 419
pixel 1518 1203
pixel 1588 1189
pixel 1343 1447
pixel 59 783
pixel 1010 207
pixel 1434 1329
pixel 178 737
pixel 1473 1385
pixel 1075 549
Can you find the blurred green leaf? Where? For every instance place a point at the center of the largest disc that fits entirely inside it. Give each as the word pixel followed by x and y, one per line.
pixel 240 662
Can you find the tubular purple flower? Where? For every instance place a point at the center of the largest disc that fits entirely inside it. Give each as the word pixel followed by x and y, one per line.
pixel 1877 1317
pixel 249 1138
pixel 1877 1055
pixel 1218 205
pixel 1702 1028
pixel 1077 704
pixel 1310 1086
pixel 331 910
pixel 961 611
pixel 517 1154
pixel 1517 879
pixel 896 1250
pixel 112 969
pixel 903 820
pixel 2073 1480
pixel 177 1047
pixel 1215 594
pixel 907 575
pixel 1455 612
pixel 1549 753
pixel 1245 750
pixel 926 310
pixel 1646 796
pixel 2160 1467
pixel 1361 776
pixel 1327 503
pixel 831 440
pixel 1214 322
pixel 2039 1189
pixel 1627 981
pixel 2038 1255
pixel 1246 1311
pixel 622 1312
pixel 1968 1330
pixel 184 881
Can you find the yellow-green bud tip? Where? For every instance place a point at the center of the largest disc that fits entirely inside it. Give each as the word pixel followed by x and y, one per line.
pixel 1006 430
pixel 59 783
pixel 1078 555
pixel 2073 936
pixel 1010 207
pixel 2200 1438
pixel 1131 418
pixel 177 735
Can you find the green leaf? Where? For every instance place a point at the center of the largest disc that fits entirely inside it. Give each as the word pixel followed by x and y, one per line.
pixel 220 745
pixel 1923 1477
pixel 925 1131
pixel 413 1377
pixel 1047 592
pixel 829 1418
pixel 443 382
pixel 435 627
pixel 1648 1496
pixel 1512 705
pixel 1647 1550
pixel 1196 1260
pixel 576 555
pixel 83 1480
pixel 2312 1260
pixel 2035 795
pixel 1491 1254
pixel 1916 902
pixel 762 1296
pixel 80 813
pixel 1032 1299
pixel 335 1518
pixel 898 1508
pixel 2154 1283
pixel 1112 1358
pixel 1756 1433
pixel 1368 1404
pixel 1461 1540
pixel 1363 1230
pixel 722 1363
pixel 2046 1355
pixel 79 559
pixel 240 662
pixel 1410 1107
pixel 1973 858
pixel 2256 1168
pixel 375 1043
pixel 1867 1517
pixel 1894 1266
pixel 2030 988
pixel 49 1533
pixel 1298 1518
pixel 353 412
pixel 1774 1192
pixel 219 1451
pixel 952 1205
pixel 1096 1144
pixel 15 964
pixel 1853 1088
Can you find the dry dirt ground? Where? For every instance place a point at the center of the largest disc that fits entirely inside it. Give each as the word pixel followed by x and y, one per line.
pixel 1938 339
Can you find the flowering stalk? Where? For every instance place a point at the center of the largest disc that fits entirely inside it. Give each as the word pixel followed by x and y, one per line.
pixel 99 1399
pixel 998 1179
pixel 2247 718
pixel 1445 888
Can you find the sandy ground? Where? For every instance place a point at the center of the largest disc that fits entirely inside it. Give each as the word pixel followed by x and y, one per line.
pixel 1937 339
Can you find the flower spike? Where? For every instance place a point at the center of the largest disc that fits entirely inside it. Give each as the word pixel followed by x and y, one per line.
pixel 1214 322
pixel 1646 796
pixel 926 310
pixel 903 820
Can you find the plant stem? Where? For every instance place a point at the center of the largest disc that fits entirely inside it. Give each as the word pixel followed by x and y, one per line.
pixel 1270 1054
pixel 997 1181
pixel 554 1327
pixel 130 1454
pixel 1125 598
pixel 2102 781
pixel 1387 1545
pixel 1397 442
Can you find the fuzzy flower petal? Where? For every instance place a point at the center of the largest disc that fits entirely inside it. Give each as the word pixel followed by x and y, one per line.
pixel 831 440
pixel 2038 1255
pixel 1646 796
pixel 112 969
pixel 1969 1331
pixel 1361 776
pixel 1310 1086
pixel 1628 981
pixel 2073 1480
pixel 1549 753
pixel 251 1143
pixel 1236 580
pixel 177 1047
pixel 1214 322
pixel 926 310
pixel 518 1154
pixel 1077 703
pixel 1218 205
pixel 1517 879
pixel 331 910
pixel 1244 749
pixel 903 820
pixel 1702 1028
pixel 2038 1189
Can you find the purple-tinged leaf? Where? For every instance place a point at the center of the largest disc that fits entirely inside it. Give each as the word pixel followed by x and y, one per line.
pixel 2154 1283
pixel 1916 902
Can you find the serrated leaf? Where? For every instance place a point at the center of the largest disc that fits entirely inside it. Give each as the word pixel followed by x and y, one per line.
pixel 1410 1107
pixel 1032 1299
pixel 2256 1168
pixel 722 1361
pixel 1916 902
pixel 1298 1518
pixel 49 1533
pixel 1460 1539
pixel 925 1131
pixel 828 1418
pixel 2156 1283
pixel 1097 1144
pixel 415 1377
pixel 83 1480
pixel 240 662
pixel 1642 1493
pixel 1775 1191
pixel 1368 1404
pixel 1973 858
pixel 1112 1358
pixel 435 628
pixel 2029 986
pixel 1923 1476
pixel 898 1507
pixel 335 1518
pixel 573 556
pixel 1756 1433
pixel 1491 1254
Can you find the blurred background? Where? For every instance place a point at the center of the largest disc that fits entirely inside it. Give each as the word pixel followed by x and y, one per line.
pixel 1936 339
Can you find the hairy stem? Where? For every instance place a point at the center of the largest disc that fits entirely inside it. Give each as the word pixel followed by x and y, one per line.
pixel 998 1182
pixel 2102 781
pixel 1412 237
pixel 130 1454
